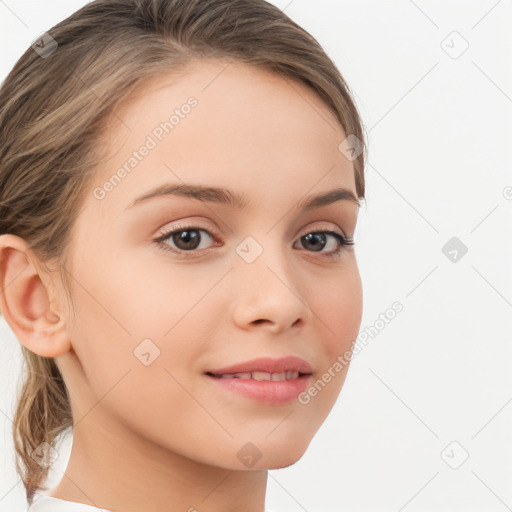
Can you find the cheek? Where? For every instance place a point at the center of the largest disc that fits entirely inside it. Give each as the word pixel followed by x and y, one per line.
pixel 339 306
pixel 127 316
pixel 113 340
pixel 337 313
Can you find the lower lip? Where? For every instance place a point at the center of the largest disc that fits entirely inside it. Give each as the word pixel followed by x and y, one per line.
pixel 266 391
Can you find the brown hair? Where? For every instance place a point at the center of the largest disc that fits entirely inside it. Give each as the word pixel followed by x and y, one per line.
pixel 52 109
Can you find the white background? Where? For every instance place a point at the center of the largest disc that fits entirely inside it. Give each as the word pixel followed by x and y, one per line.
pixel 439 163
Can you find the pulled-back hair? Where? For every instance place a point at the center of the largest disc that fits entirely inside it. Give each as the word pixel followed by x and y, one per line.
pixel 52 110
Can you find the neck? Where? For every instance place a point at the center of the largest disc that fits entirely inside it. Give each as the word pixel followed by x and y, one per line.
pixel 114 468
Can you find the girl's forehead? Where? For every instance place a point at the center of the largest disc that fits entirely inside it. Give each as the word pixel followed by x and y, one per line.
pixel 218 125
pixel 227 91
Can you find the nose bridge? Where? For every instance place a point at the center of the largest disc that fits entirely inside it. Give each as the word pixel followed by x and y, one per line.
pixel 265 263
pixel 268 283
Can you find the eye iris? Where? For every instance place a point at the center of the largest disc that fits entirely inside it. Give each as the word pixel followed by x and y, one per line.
pixel 312 238
pixel 190 237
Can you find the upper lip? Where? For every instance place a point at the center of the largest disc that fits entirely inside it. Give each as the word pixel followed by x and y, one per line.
pixel 267 364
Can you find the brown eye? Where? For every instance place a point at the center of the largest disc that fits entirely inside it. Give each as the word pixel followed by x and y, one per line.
pixel 183 240
pixel 316 241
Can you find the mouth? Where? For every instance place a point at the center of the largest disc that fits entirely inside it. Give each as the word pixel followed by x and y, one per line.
pixel 265 380
pixel 265 368
pixel 260 376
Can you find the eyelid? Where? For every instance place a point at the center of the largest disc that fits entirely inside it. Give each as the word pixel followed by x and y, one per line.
pixel 327 227
pixel 183 225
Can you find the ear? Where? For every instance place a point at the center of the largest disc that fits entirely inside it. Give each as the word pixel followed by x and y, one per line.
pixel 25 301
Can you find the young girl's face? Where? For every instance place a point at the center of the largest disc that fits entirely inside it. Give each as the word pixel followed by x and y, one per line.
pixel 234 284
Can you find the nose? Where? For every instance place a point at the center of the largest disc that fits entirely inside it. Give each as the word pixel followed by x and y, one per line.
pixel 268 294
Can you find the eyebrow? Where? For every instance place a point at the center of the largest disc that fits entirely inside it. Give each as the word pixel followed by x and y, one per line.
pixel 228 197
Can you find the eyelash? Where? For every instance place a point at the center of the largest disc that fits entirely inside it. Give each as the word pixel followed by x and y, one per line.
pixel 342 240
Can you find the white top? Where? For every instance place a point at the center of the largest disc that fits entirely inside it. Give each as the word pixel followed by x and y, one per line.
pixel 43 503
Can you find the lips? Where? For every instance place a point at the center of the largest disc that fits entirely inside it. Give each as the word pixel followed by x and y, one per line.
pixel 256 379
pixel 289 375
pixel 265 368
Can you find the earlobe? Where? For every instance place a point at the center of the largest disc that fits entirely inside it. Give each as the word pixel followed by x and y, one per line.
pixel 25 301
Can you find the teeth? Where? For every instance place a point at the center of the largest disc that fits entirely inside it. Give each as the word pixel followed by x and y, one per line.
pixel 290 374
pixel 246 375
pixel 261 375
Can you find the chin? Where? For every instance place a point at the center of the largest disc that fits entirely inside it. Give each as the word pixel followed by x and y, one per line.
pixel 284 455
pixel 290 462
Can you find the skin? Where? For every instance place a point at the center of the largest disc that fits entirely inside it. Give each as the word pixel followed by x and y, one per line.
pixel 163 437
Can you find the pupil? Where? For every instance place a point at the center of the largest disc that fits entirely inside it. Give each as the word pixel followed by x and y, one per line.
pixel 315 239
pixel 189 237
